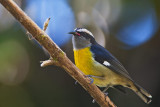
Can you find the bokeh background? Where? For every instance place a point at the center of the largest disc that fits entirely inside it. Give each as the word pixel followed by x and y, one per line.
pixel 129 29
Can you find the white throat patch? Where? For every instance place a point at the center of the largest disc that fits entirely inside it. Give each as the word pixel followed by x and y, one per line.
pixel 83 30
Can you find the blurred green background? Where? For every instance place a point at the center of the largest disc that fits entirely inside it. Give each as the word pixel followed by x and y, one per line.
pixel 129 29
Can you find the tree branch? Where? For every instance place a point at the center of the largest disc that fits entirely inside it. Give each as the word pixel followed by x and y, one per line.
pixel 58 56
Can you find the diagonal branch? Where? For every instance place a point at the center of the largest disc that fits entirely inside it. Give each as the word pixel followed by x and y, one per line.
pixel 58 56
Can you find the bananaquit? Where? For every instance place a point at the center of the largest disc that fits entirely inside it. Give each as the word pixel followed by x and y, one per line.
pixel 101 66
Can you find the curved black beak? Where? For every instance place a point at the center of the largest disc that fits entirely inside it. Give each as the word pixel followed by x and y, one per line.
pixel 73 33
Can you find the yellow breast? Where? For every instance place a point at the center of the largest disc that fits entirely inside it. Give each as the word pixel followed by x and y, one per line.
pixel 85 62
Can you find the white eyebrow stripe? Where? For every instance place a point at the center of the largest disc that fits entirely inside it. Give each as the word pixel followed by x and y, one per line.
pixel 106 63
pixel 83 30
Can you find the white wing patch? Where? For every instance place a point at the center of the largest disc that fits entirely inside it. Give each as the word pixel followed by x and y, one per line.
pixel 106 63
pixel 83 30
pixel 150 96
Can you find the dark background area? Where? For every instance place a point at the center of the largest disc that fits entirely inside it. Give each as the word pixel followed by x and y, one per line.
pixel 129 29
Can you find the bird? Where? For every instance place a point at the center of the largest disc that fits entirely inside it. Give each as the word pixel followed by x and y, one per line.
pixel 101 66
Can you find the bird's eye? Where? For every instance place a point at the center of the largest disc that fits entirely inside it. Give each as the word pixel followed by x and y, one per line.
pixel 78 34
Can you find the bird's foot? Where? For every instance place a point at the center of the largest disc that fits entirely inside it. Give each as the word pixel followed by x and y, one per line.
pixel 90 77
pixel 76 82
pixel 105 95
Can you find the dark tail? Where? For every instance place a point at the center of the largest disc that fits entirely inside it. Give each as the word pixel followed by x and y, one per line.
pixel 143 94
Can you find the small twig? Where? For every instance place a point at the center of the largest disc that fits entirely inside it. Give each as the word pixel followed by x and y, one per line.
pixel 49 62
pixel 44 29
pixel 56 52
pixel 30 37
pixel 46 24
